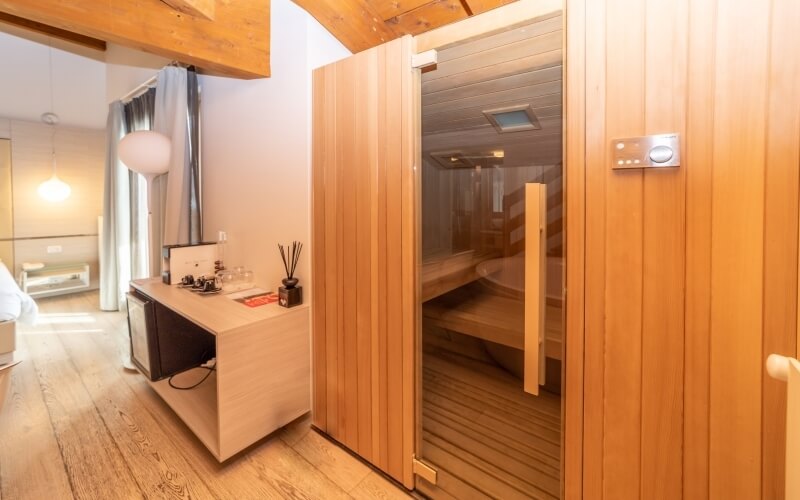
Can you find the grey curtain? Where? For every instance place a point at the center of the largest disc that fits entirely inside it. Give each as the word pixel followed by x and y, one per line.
pixel 181 215
pixel 172 108
pixel 115 238
pixel 195 206
pixel 139 113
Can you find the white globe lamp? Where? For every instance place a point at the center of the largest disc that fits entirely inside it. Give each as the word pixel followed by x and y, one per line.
pixel 148 153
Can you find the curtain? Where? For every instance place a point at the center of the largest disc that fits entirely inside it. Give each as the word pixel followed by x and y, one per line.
pixel 115 245
pixel 139 113
pixel 196 195
pixel 173 109
pixel 171 119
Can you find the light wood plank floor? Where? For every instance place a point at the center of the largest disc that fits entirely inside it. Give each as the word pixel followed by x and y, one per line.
pixel 76 425
pixel 484 434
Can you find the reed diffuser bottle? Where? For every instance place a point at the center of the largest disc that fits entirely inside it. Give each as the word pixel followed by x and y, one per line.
pixel 290 295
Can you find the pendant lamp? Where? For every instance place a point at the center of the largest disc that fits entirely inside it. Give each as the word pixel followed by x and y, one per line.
pixel 54 189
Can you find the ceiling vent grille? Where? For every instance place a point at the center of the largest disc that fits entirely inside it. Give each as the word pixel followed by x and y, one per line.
pixel 513 118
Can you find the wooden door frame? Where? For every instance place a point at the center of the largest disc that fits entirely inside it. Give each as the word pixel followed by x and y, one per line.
pixel 573 148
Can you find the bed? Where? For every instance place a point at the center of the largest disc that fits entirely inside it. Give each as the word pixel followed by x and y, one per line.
pixel 15 306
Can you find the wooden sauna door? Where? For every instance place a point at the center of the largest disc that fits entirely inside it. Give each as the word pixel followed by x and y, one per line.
pixel 363 251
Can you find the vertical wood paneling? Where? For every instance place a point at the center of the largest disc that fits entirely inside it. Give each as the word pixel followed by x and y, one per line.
pixel 346 84
pixel 364 87
pixel 625 92
pixel 737 250
pixel 575 177
pixel 780 234
pixel 663 256
pixel 329 171
pixel 698 152
pixel 365 175
pixel 595 157
pixel 319 358
pixel 394 304
pixel 691 273
pixel 383 317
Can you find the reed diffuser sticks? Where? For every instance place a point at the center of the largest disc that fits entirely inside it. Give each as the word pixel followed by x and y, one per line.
pixel 290 258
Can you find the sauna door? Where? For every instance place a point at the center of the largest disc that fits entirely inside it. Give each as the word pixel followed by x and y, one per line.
pixel 364 275
pixel 490 267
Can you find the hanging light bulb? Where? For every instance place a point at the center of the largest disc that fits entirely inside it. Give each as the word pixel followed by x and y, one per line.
pixel 54 189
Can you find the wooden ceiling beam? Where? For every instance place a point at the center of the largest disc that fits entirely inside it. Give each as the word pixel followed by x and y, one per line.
pixel 197 8
pixel 428 16
pixel 236 43
pixel 480 6
pixel 84 41
pixel 353 22
pixel 362 24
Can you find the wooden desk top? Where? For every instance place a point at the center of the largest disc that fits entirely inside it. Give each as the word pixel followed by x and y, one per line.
pixel 216 313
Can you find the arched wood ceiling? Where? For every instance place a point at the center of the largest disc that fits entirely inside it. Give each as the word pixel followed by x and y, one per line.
pixel 361 24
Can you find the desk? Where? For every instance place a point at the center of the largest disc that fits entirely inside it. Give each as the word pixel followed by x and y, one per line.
pixel 262 379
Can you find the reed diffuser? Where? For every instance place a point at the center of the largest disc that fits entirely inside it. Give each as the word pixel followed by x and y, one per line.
pixel 290 294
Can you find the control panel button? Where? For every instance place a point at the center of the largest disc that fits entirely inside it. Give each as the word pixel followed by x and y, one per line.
pixel 661 154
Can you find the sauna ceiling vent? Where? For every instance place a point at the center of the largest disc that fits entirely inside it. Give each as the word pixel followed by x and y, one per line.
pixel 513 118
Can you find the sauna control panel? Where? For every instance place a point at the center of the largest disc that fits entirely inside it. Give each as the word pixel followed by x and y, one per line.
pixel 646 152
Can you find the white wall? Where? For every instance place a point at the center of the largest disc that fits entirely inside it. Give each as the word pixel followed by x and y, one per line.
pixel 80 154
pixel 127 68
pixel 256 143
pixel 256 149
pixel 79 81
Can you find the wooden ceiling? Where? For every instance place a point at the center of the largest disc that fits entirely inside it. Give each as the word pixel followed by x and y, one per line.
pixel 522 66
pixel 361 24
pixel 227 37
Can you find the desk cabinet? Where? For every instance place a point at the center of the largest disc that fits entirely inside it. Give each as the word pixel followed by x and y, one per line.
pixel 262 377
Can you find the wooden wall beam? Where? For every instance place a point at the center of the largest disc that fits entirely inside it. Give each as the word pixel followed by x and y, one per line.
pixel 85 41
pixel 235 44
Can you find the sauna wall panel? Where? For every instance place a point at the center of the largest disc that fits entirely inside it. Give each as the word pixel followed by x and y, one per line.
pixel 364 251
pixel 690 274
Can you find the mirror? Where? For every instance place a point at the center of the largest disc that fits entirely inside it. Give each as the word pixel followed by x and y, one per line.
pixel 6 206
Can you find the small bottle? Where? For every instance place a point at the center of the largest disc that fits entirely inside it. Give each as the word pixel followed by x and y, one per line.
pixel 219 264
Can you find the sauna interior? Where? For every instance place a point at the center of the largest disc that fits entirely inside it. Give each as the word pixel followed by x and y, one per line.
pixel 492 265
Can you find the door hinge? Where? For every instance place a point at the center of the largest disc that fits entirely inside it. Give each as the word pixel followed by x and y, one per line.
pixel 424 59
pixel 424 470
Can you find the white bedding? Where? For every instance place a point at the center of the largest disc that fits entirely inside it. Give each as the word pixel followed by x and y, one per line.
pixel 15 305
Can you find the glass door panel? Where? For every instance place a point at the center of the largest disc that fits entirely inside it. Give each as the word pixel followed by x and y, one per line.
pixel 491 266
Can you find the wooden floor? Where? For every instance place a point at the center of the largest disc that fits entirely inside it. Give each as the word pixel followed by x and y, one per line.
pixel 486 437
pixel 76 425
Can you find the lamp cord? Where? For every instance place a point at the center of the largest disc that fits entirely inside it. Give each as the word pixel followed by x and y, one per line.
pixel 52 102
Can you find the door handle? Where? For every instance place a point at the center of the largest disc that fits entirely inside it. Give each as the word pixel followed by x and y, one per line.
pixel 535 278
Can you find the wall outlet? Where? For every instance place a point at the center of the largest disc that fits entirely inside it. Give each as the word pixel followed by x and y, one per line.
pixel 54 249
pixel 222 236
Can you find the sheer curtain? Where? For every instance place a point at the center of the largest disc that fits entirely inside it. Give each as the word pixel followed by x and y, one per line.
pixel 115 245
pixel 139 113
pixel 176 116
pixel 171 108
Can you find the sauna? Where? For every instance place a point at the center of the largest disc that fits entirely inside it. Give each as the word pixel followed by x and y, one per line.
pixel 491 265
